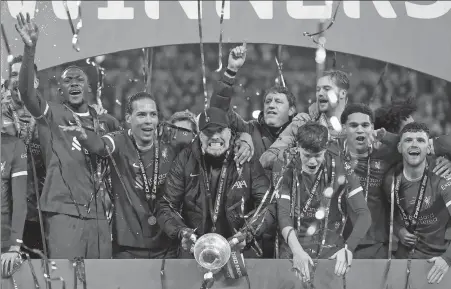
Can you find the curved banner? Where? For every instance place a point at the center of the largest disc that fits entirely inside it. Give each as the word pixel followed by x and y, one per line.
pixel 414 34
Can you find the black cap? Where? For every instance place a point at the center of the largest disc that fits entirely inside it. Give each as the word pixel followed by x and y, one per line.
pixel 215 120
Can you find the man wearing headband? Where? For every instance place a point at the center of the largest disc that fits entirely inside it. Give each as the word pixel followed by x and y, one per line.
pixel 75 219
pixel 207 191
pixel 331 98
pixel 13 198
pixel 422 203
pixel 316 193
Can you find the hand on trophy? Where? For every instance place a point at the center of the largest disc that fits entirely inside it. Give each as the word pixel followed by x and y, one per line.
pixel 188 238
pixel 238 241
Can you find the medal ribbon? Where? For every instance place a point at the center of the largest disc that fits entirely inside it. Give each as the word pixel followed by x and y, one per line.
pixel 312 195
pixel 215 211
pixel 410 221
pixel 150 197
pixel 87 155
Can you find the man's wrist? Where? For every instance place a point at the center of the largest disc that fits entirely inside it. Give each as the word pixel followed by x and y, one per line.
pixel 231 72
pixel 14 248
pixel 30 50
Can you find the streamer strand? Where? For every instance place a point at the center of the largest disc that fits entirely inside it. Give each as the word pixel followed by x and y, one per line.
pixel 75 30
pixel 311 35
pixel 202 55
pixel 220 37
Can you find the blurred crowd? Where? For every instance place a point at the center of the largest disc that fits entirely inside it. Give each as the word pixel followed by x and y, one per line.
pixel 177 80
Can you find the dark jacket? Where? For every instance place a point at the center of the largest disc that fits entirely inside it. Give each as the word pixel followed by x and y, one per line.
pixel 185 194
pixel 262 135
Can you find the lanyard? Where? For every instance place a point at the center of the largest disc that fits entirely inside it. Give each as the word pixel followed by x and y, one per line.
pixel 312 194
pixel 88 158
pixel 215 211
pixel 347 160
pixel 150 196
pixel 410 221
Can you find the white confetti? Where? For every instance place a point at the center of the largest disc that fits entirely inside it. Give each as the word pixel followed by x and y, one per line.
pixel 320 214
pixel 341 180
pixel 320 56
pixel 335 123
pixel 332 96
pixel 328 192
pixel 311 230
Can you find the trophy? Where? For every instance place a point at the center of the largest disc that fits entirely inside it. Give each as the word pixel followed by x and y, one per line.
pixel 212 251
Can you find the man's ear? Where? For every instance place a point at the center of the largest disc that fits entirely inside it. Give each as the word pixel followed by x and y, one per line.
pixel 128 118
pixel 342 94
pixel 291 111
pixel 399 147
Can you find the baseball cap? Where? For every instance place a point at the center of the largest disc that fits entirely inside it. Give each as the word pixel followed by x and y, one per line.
pixel 215 120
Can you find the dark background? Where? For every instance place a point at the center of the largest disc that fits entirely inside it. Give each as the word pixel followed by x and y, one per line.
pixel 177 80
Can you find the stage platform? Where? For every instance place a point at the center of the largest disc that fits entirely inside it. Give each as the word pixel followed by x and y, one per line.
pixel 263 274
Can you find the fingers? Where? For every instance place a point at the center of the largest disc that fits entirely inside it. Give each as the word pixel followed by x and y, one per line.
pixel 340 267
pixel 28 18
pixel 22 19
pixel 243 154
pixel 434 274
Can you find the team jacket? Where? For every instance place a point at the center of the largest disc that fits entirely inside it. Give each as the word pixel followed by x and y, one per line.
pixel 185 194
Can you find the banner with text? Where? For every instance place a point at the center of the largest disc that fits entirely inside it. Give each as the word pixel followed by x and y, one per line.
pixel 414 34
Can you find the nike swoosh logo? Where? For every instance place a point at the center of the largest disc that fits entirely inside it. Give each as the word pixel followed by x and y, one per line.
pixel 135 166
pixel 72 123
pixel 191 175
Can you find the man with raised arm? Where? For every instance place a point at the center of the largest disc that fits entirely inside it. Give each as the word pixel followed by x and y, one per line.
pixel 75 220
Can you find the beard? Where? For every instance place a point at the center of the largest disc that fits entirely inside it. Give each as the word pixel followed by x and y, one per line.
pixel 216 145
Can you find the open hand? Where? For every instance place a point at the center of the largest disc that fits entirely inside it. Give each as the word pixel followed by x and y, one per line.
pixel 27 29
pixel 344 261
pixel 443 168
pixel 438 270
pixel 301 265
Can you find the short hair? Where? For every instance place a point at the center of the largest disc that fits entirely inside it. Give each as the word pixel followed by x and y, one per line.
pixel 356 108
pixel 415 127
pixel 340 78
pixel 313 137
pixel 282 90
pixel 74 67
pixel 185 115
pixel 138 96
pixel 391 116
pixel 19 59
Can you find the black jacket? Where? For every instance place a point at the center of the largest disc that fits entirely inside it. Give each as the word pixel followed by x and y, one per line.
pixel 262 135
pixel 185 194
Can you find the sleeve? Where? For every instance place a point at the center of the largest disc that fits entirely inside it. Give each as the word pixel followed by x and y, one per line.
pixel 19 174
pixel 284 200
pixel 170 204
pixel 442 145
pixel 286 138
pixel 37 106
pixel 357 204
pixel 223 92
pixel 100 145
pixel 445 191
pixel 260 185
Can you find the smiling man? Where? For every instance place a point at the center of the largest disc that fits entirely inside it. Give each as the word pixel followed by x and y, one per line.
pixel 208 191
pixel 422 202
pixel 331 98
pixel 74 215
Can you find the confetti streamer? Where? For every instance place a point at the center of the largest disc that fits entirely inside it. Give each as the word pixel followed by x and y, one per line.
pixel 202 55
pixel 100 80
pixel 311 35
pixel 279 68
pixel 48 285
pixel 148 67
pixel 8 50
pixel 220 37
pixel 75 30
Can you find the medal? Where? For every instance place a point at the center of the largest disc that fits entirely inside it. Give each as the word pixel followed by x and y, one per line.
pixel 152 220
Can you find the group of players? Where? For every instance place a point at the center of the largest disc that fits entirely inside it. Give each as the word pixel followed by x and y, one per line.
pixel 291 185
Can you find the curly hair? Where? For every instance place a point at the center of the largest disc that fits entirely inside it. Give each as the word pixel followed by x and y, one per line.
pixel 356 108
pixel 339 77
pixel 312 136
pixel 19 59
pixel 282 90
pixel 415 127
pixel 391 116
